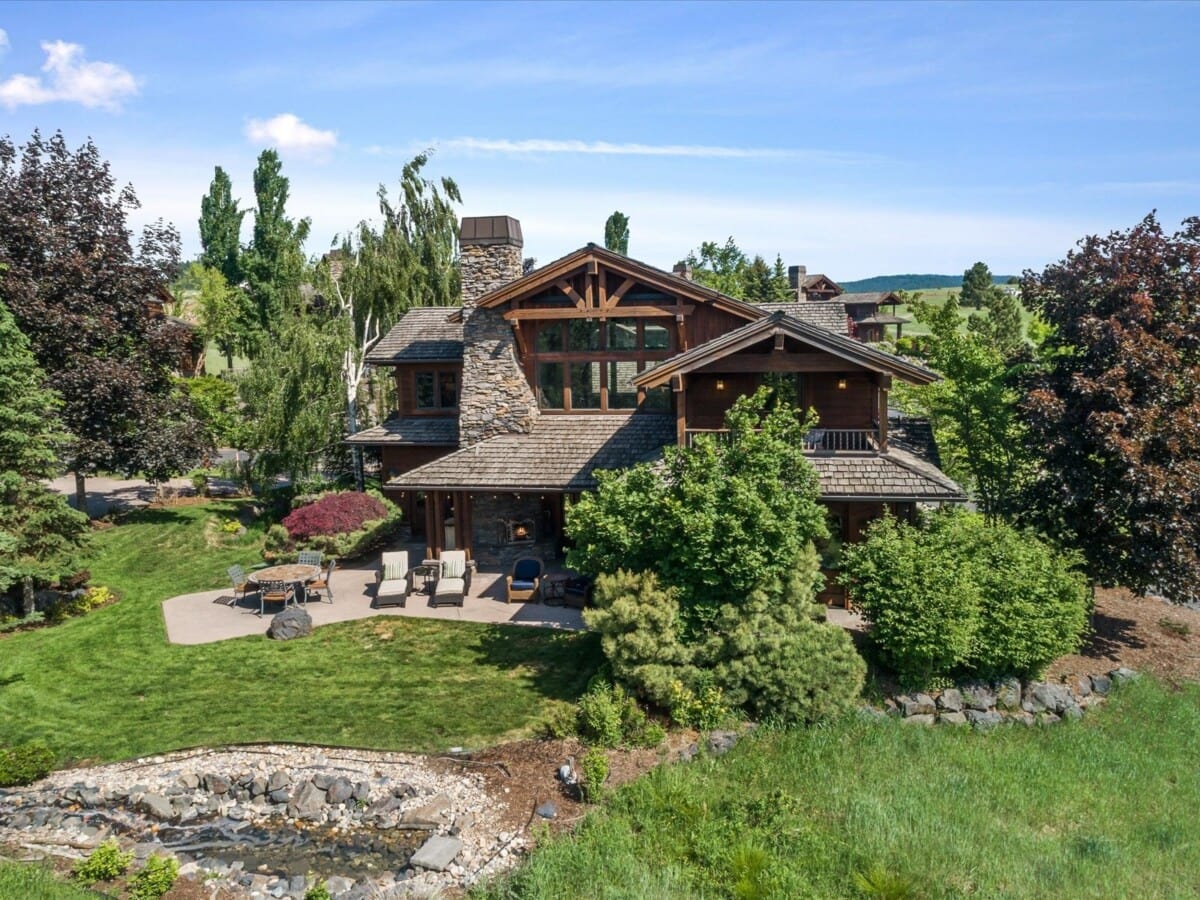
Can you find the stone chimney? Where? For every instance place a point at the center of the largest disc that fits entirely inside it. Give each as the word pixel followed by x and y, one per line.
pixel 495 397
pixel 796 280
pixel 683 270
pixel 489 255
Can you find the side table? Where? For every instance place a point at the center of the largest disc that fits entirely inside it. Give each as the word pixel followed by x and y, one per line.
pixel 554 589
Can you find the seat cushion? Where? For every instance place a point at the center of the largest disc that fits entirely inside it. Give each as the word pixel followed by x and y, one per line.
pixel 526 570
pixel 451 586
pixel 454 564
pixel 393 571
pixel 522 585
pixel 392 586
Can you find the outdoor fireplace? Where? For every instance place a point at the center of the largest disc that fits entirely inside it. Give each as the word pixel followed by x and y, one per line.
pixel 518 531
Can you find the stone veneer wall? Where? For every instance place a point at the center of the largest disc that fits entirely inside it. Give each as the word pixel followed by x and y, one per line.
pixel 488 543
pixel 496 397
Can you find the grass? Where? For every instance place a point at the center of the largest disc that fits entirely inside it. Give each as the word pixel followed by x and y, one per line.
pixel 1100 808
pixel 938 297
pixel 108 685
pixel 32 882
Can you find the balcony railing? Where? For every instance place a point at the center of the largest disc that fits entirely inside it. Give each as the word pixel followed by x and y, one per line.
pixel 817 440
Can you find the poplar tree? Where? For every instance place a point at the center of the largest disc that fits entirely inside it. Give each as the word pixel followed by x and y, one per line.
pixel 221 228
pixel 616 233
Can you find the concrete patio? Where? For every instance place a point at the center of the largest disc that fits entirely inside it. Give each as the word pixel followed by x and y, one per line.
pixel 202 619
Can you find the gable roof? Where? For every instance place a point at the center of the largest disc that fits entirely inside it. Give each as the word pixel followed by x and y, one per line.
pixel 816 278
pixel 645 273
pixel 425 334
pixel 894 475
pixel 830 314
pixel 876 297
pixel 559 454
pixel 780 323
pixel 428 431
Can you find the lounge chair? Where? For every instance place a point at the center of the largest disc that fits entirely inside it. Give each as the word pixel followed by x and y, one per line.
pixel 275 592
pixel 454 579
pixel 394 579
pixel 525 580
pixel 309 558
pixel 323 583
pixel 241 586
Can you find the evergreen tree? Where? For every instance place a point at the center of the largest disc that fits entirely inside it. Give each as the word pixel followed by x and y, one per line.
pixel 779 281
pixel 1001 327
pixel 221 228
pixel 758 284
pixel 616 233
pixel 39 533
pixel 273 263
pixel 976 285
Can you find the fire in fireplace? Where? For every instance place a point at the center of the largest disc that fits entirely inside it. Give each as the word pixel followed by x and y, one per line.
pixel 518 531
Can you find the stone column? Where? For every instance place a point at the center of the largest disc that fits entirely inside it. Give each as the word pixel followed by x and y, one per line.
pixel 495 396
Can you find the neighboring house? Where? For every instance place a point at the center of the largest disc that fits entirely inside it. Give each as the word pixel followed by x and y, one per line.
pixel 509 404
pixel 183 334
pixel 865 321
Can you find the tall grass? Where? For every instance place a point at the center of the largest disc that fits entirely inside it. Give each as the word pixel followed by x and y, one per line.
pixel 1101 808
pixel 20 881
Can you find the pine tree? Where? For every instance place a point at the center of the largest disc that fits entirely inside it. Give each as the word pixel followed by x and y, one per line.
pixel 39 532
pixel 976 285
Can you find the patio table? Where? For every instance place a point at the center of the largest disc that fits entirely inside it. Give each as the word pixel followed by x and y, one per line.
pixel 292 573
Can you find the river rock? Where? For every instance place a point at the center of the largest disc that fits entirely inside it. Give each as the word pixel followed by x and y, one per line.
pixel 292 623
pixel 337 884
pixel 323 780
pixel 547 810
pixel 307 803
pixel 434 813
pixel 437 853
pixel 216 784
pixel 279 780
pixel 1101 684
pixel 340 791
pixel 157 805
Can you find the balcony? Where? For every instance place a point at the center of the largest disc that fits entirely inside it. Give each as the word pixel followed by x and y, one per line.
pixel 818 440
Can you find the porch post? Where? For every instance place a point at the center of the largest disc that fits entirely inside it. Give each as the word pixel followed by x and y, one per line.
pixel 680 388
pixel 433 542
pixel 885 382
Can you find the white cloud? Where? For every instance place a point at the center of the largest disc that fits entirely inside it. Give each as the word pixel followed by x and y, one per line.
pixel 288 132
pixel 474 145
pixel 70 79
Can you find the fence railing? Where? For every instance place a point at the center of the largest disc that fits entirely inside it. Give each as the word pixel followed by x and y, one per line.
pixel 817 440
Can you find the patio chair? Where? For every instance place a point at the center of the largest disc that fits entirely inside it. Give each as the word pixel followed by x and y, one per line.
pixel 323 583
pixel 394 579
pixel 454 580
pixel 578 592
pixel 241 586
pixel 275 592
pixel 309 558
pixel 525 580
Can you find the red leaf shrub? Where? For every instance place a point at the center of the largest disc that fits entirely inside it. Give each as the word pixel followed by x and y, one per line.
pixel 334 514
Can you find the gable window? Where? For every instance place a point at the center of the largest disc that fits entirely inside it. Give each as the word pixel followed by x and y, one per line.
pixel 550 392
pixel 436 390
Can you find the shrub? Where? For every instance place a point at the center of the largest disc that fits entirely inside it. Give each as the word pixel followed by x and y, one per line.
pixel 24 764
pixel 344 525
pixel 600 717
pixel 318 891
pixel 155 879
pixel 104 863
pixel 917 592
pixel 639 628
pixel 958 596
pixel 702 706
pixel 561 722
pixel 594 767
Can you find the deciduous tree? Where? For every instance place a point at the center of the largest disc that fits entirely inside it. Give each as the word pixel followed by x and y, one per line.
pixel 221 228
pixel 616 233
pixel 79 290
pixel 1115 413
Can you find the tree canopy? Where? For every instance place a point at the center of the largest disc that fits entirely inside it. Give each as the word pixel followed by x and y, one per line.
pixel 1114 414
pixel 616 233
pixel 725 268
pixel 82 294
pixel 221 228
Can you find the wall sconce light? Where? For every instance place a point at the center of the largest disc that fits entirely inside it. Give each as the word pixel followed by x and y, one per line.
pixel 841 384
pixel 720 384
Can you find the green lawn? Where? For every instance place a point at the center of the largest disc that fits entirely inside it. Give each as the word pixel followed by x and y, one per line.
pixel 32 882
pixel 1101 808
pixel 108 686
pixel 938 297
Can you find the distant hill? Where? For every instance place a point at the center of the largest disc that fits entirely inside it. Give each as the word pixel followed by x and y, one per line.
pixel 908 283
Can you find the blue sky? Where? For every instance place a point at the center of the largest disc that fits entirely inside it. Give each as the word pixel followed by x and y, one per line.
pixel 858 139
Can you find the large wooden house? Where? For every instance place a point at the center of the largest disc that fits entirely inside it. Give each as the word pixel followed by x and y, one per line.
pixel 509 404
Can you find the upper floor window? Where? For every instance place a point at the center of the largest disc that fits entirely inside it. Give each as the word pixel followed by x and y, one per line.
pixel 436 390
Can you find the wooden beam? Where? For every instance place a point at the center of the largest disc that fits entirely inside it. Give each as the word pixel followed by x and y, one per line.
pixel 565 286
pixel 628 312
pixel 681 327
pixel 779 342
pixel 593 267
pixel 680 410
pixel 620 292
pixel 517 333
pixel 780 362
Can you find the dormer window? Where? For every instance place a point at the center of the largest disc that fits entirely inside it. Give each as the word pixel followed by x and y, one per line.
pixel 436 390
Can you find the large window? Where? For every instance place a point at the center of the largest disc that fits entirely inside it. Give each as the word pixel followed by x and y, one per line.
pixel 590 364
pixel 436 390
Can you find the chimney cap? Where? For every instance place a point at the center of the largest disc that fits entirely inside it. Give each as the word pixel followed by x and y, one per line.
pixel 482 231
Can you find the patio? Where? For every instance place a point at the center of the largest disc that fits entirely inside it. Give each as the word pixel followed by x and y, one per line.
pixel 200 619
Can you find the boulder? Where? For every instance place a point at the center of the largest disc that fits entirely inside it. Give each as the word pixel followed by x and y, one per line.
pixel 340 791
pixel 293 622
pixel 1008 693
pixel 1051 697
pixel 983 720
pixel 920 719
pixel 338 884
pixel 433 813
pixel 721 742
pixel 1082 685
pixel 952 717
pixel 920 705
pixel 1121 675
pixel 258 787
pixel 279 780
pixel 1101 684
pixel 157 805
pixel 1073 712
pixel 307 802
pixel 547 810
pixel 216 784
pixel 950 700
pixel 189 781
pixel 978 696
pixel 362 790
pixel 323 780
pixel 437 853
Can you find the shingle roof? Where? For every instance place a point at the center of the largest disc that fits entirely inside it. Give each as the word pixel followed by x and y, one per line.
pixel 810 280
pixel 413 430
pixel 830 314
pixel 560 454
pixel 895 475
pixel 423 335
pixel 875 297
